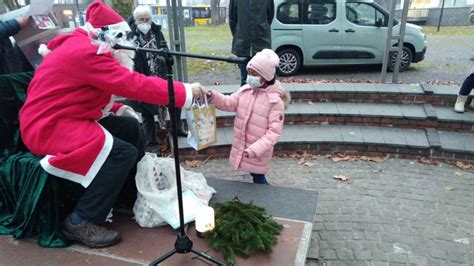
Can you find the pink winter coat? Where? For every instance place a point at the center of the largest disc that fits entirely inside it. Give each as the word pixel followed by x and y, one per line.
pixel 257 126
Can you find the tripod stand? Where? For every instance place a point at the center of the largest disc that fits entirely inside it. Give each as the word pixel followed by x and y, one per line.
pixel 183 243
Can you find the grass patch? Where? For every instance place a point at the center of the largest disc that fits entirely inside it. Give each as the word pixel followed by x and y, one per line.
pixel 207 40
pixel 449 30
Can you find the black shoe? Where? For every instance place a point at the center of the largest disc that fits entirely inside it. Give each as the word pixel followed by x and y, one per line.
pixel 91 235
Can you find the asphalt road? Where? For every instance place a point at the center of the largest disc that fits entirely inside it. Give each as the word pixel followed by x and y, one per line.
pixel 447 61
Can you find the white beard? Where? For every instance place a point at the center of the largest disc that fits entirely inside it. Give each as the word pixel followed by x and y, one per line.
pixel 125 57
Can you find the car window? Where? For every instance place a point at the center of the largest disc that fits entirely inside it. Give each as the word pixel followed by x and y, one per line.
pixel 364 14
pixel 289 12
pixel 319 11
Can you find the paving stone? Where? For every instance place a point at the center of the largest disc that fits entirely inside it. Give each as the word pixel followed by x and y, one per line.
pixel 427 88
pixel 327 108
pixel 413 111
pixel 329 133
pixel 372 135
pixel 345 254
pixel 351 109
pixel 416 138
pixel 346 87
pixel 365 87
pixel 433 138
pixel 351 134
pixel 414 88
pixel 323 87
pixel 393 136
pixel 389 110
pixel 447 114
pixel 466 139
pixel 445 90
pixel 303 87
pixel 388 88
pixel 430 111
pixel 451 141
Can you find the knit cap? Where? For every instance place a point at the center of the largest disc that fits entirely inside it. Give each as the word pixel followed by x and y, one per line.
pixel 265 63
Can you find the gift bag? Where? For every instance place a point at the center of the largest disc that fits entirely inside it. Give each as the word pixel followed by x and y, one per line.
pixel 201 120
pixel 157 201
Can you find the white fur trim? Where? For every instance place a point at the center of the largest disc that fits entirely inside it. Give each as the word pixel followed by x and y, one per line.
pixel 189 96
pixel 87 179
pixel 43 50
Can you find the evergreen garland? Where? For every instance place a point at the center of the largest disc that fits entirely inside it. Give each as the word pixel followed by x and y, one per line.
pixel 242 229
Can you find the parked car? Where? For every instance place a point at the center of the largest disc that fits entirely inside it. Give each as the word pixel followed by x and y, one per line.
pixel 338 32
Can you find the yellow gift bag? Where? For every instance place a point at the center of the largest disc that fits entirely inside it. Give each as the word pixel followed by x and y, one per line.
pixel 201 120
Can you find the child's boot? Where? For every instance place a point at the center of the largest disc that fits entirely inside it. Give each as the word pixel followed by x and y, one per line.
pixel 460 102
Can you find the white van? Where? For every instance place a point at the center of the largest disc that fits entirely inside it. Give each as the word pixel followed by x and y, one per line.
pixel 338 32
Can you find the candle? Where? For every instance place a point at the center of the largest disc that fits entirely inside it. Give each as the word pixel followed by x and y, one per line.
pixel 204 220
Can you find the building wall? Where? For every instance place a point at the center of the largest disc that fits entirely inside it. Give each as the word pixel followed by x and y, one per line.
pixel 452 16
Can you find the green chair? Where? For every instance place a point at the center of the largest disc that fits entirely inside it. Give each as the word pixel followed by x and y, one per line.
pixel 32 202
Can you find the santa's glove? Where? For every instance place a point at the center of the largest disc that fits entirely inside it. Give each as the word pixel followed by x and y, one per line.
pixel 129 112
pixel 198 90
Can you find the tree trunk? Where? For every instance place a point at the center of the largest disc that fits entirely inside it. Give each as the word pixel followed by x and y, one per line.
pixel 215 12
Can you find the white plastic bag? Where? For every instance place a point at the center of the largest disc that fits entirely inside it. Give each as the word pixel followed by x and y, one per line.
pixel 157 202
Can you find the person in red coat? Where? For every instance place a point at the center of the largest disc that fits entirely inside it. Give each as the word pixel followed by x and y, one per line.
pixel 70 119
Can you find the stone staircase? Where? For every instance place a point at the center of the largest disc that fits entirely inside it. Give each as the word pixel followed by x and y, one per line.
pixel 398 120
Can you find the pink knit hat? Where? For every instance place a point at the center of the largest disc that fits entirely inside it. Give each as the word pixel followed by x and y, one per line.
pixel 265 63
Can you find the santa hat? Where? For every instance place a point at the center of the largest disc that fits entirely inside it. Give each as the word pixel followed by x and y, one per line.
pixel 100 15
pixel 265 63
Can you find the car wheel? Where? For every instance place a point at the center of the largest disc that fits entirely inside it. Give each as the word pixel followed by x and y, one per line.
pixel 405 60
pixel 290 62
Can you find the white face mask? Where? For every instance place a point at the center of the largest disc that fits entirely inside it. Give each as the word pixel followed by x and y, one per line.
pixel 254 81
pixel 144 27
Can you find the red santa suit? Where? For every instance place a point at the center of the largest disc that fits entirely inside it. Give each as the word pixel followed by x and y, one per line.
pixel 71 90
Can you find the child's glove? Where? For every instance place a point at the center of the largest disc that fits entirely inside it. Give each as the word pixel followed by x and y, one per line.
pixel 128 111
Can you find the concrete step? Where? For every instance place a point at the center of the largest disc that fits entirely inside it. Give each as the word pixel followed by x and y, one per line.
pixel 437 95
pixel 350 139
pixel 369 114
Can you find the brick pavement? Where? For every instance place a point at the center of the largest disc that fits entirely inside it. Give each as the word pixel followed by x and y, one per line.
pixel 397 212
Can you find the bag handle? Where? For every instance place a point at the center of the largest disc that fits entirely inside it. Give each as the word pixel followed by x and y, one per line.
pixel 199 104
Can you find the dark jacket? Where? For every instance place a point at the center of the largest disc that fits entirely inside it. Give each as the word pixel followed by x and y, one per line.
pixel 250 22
pixel 7 53
pixel 140 62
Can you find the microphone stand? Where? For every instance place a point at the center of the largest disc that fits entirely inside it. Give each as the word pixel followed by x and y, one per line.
pixel 183 243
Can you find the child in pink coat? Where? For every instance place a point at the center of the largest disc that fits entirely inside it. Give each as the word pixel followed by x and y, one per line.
pixel 259 107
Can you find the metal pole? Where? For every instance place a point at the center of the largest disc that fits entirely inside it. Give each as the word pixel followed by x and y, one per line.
pixel 388 42
pixel 440 16
pixel 401 39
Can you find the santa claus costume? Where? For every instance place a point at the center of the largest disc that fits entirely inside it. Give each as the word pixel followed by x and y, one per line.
pixel 70 119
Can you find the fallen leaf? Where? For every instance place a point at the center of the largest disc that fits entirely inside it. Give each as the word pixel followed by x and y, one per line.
pixel 377 170
pixel 372 159
pixel 448 188
pixel 310 103
pixel 193 163
pixel 345 158
pixel 428 161
pixel 301 161
pixel 464 166
pixel 458 174
pixel 309 164
pixel 341 177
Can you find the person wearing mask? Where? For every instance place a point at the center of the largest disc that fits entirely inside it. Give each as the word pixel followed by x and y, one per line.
pixel 70 119
pixel 146 34
pixel 259 118
pixel 250 24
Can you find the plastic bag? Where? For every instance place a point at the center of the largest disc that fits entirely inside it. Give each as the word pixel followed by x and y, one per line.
pixel 157 201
